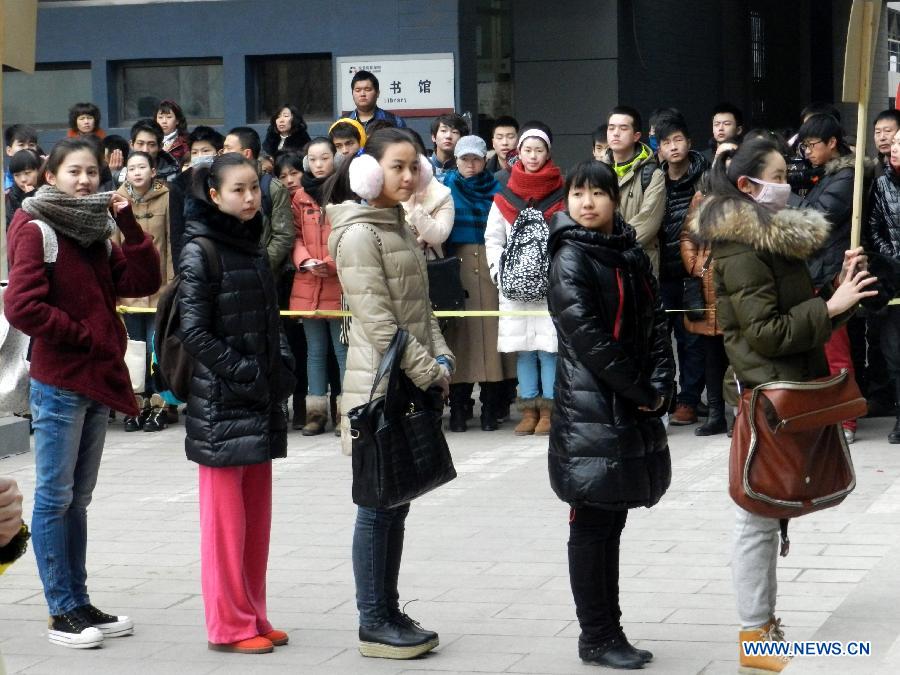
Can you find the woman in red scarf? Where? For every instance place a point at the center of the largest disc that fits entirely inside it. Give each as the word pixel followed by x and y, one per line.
pixel 536 181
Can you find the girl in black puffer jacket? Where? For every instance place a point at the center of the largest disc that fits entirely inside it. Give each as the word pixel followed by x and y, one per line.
pixel 614 376
pixel 235 420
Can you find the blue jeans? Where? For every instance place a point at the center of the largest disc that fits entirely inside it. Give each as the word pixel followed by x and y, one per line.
pixel 141 327
pixel 377 549
pixel 69 430
pixel 317 334
pixel 691 347
pixel 537 373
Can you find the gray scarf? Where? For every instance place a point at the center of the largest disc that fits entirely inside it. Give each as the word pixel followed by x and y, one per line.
pixel 87 220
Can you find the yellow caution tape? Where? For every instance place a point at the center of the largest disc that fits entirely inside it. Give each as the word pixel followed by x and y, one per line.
pixel 440 314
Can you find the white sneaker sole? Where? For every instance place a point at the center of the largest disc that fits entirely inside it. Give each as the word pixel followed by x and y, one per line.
pixel 124 626
pixel 88 639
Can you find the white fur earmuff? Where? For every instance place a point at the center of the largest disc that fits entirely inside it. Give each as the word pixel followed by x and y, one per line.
pixel 426 172
pixel 366 177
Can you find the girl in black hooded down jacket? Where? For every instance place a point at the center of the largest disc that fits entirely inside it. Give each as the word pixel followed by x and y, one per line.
pixel 614 376
pixel 235 420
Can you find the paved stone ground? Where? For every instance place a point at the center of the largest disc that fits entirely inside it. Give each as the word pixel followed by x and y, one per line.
pixel 485 559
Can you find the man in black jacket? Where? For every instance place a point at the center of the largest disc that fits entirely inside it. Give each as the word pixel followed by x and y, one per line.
pixel 682 168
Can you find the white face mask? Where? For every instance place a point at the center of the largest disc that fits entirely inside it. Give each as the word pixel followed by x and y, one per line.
pixel 202 160
pixel 773 196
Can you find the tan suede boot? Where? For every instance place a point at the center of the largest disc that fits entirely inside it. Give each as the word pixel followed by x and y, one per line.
pixel 316 415
pixel 545 405
pixel 528 406
pixel 760 663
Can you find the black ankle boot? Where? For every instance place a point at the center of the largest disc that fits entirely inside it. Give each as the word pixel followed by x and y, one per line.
pixel 715 423
pixel 894 436
pixel 488 418
pixel 615 653
pixel 458 418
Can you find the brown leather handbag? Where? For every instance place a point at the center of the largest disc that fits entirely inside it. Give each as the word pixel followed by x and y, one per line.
pixel 789 456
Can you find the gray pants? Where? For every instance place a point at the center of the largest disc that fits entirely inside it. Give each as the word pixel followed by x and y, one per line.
pixel 753 565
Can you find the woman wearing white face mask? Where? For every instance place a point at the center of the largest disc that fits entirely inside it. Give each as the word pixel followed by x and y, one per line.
pixel 775 328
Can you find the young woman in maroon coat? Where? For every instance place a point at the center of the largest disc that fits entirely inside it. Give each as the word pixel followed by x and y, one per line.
pixel 78 370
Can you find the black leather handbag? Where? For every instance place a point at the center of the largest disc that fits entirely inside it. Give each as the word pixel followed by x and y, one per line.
pixel 399 449
pixel 445 289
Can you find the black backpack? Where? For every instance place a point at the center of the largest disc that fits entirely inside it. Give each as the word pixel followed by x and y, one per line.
pixel 175 365
pixel 525 262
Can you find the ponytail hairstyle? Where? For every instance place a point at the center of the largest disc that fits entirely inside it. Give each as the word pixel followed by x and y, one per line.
pixel 66 147
pixel 337 188
pixel 747 160
pixel 211 177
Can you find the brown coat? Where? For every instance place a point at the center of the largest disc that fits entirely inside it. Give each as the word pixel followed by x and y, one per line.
pixel 473 341
pixel 694 254
pixel 152 214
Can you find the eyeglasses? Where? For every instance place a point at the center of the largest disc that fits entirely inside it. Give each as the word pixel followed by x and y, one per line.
pixel 806 146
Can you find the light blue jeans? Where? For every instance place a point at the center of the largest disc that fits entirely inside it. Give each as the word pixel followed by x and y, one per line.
pixel 537 373
pixel 317 335
pixel 69 431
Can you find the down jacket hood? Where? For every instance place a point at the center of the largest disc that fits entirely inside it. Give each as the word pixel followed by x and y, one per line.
pixel 792 233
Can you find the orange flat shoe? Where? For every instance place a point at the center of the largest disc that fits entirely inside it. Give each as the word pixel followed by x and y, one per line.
pixel 254 645
pixel 277 637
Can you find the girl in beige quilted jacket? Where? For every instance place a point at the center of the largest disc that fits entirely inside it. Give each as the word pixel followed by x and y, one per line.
pixel 384 280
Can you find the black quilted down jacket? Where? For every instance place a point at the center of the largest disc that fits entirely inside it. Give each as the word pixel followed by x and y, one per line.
pixel 614 356
pixel 884 216
pixel 832 196
pixel 679 194
pixel 230 325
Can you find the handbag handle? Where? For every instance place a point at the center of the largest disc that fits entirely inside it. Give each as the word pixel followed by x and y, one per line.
pixel 391 359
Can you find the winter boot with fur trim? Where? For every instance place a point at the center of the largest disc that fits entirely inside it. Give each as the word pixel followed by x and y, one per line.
pixel 529 409
pixel 545 405
pixel 316 415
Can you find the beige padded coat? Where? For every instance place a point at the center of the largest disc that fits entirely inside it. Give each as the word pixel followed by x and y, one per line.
pixel 385 283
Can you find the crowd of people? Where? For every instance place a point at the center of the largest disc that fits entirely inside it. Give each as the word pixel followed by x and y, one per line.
pixel 589 269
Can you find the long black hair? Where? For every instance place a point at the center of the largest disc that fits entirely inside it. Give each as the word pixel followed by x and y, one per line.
pixel 337 188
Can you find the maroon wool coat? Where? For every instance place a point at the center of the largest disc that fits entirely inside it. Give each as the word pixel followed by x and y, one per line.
pixel 78 338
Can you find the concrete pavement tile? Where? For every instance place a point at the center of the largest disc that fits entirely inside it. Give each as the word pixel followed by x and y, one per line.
pixel 16 663
pixel 91 662
pixel 667 650
pixel 877 551
pixel 676 573
pixel 828 575
pixel 829 562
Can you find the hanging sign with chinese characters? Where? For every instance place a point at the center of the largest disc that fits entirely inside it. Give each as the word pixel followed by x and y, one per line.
pixel 411 85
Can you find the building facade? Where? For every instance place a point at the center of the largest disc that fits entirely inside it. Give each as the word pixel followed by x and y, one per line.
pixel 233 62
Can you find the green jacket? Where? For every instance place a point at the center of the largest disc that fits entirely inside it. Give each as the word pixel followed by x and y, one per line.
pixel 278 230
pixel 775 326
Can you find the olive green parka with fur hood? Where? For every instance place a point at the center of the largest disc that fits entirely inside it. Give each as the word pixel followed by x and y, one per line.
pixel 775 325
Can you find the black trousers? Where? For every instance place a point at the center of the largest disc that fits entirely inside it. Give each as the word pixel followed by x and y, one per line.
pixel 594 536
pixel 716 365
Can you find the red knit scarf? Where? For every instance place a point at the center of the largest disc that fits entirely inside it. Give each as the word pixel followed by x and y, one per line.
pixel 531 186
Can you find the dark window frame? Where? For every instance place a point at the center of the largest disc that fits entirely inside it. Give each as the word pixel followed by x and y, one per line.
pixel 116 80
pixel 257 112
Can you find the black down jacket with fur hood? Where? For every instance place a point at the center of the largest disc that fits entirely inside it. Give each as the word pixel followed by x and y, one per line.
pixel 230 325
pixel 614 356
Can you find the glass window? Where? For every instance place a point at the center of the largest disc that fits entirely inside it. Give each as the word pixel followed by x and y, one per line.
pixel 196 85
pixel 894 54
pixel 493 40
pixel 304 80
pixel 43 99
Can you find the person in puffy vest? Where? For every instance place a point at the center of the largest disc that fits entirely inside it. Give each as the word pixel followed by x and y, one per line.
pixel 608 446
pixel 536 180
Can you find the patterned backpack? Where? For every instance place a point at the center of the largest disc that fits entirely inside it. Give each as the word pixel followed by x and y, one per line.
pixel 525 262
